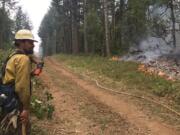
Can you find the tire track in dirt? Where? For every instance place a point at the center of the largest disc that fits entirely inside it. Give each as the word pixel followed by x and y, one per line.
pixel 77 112
pixel 124 109
pixel 67 119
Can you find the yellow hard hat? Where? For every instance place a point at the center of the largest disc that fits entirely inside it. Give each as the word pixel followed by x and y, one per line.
pixel 24 34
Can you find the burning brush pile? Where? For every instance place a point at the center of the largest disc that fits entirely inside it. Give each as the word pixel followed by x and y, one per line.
pixel 157 58
pixel 164 67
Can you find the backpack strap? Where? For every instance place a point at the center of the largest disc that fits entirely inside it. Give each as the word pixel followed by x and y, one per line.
pixel 3 69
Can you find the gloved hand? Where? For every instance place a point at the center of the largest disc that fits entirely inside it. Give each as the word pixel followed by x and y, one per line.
pixel 38 70
pixel 24 116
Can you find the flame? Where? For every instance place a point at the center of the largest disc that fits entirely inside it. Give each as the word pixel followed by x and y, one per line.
pixel 115 58
pixel 153 71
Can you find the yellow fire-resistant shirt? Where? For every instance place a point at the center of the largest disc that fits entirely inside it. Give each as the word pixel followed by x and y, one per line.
pixel 18 70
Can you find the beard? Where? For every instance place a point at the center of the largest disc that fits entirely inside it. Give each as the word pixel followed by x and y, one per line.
pixel 29 51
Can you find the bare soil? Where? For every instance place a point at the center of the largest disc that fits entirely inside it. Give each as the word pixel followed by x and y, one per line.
pixel 81 108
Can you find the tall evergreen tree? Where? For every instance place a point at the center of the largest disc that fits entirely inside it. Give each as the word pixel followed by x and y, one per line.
pixel 100 26
pixel 6 24
pixel 22 20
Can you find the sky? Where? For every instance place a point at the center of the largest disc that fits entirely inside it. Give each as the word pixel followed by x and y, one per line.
pixel 36 9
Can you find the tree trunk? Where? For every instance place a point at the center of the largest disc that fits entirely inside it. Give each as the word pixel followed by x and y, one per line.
pixel 69 36
pixel 105 4
pixel 121 20
pixel 67 26
pixel 54 44
pixel 1 39
pixel 3 5
pixel 173 23
pixel 85 27
pixel 75 48
pixel 2 25
pixel 113 23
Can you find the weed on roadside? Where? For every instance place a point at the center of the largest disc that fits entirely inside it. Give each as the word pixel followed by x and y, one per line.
pixel 41 107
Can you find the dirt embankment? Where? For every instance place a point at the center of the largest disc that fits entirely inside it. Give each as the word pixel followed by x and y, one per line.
pixel 81 108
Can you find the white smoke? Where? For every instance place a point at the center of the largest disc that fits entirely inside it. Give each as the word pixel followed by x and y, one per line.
pixel 149 50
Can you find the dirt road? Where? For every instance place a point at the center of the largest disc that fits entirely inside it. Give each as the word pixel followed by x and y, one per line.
pixel 81 108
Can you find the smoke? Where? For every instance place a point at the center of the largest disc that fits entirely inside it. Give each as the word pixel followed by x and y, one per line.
pixel 148 50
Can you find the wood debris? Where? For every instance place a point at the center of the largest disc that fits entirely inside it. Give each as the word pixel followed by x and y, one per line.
pixel 164 68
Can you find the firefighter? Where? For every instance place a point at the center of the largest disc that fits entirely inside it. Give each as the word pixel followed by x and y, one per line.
pixel 17 75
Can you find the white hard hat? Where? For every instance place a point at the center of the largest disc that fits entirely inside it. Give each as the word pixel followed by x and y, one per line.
pixel 24 34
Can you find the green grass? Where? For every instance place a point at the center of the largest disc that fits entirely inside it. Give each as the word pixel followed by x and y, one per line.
pixel 125 72
pixel 41 105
